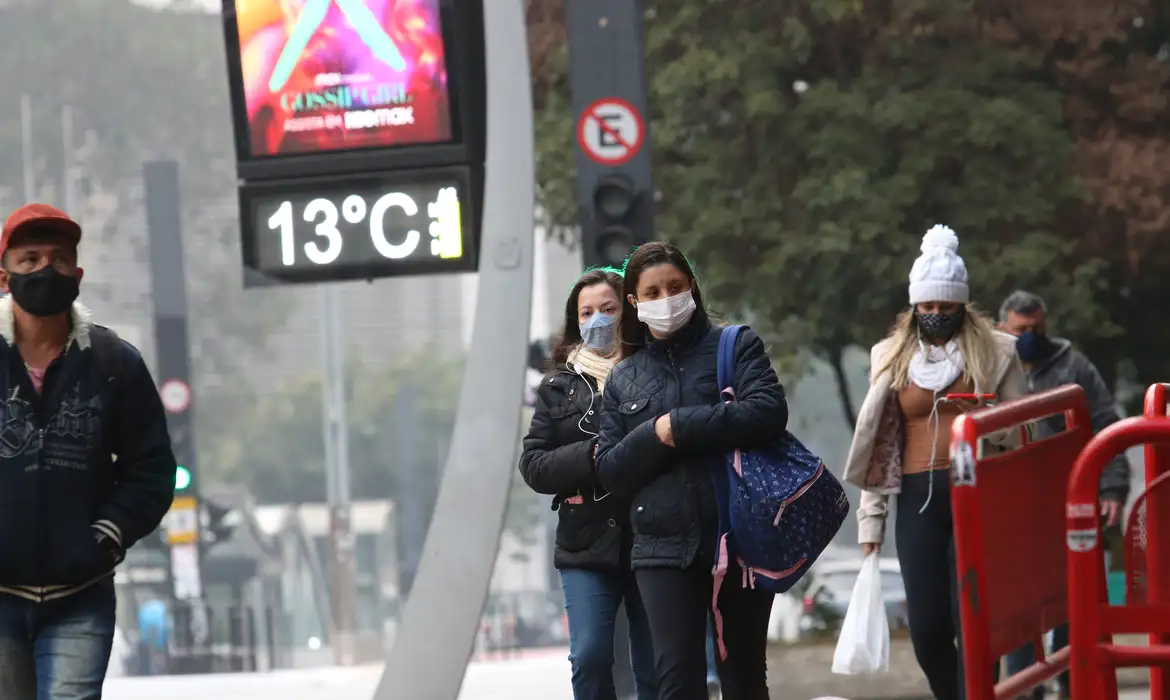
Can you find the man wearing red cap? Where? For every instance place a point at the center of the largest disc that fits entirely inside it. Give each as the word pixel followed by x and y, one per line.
pixel 86 467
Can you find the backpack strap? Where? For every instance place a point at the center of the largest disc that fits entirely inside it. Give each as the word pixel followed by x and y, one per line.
pixel 725 369
pixel 107 352
pixel 721 479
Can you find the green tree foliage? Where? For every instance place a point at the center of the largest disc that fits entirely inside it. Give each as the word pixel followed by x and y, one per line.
pixel 286 464
pixel 802 148
pixel 278 450
pixel 1111 61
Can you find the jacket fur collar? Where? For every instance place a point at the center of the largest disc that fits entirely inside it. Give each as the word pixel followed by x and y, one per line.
pixel 80 316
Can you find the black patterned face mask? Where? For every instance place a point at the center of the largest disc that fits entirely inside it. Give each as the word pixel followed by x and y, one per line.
pixel 939 328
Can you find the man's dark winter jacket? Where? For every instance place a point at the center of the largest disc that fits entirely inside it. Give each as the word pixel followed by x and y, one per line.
pixel 1068 366
pixel 593 528
pixel 61 489
pixel 674 513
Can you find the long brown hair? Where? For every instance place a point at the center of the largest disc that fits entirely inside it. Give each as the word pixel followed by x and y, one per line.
pixel 975 338
pixel 633 331
pixel 571 336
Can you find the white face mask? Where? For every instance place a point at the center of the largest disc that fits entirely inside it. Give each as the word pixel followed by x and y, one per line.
pixel 665 316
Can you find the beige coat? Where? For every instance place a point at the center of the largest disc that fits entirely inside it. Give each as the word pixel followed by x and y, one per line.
pixel 875 457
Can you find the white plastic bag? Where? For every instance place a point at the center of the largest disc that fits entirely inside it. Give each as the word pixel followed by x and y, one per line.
pixel 864 644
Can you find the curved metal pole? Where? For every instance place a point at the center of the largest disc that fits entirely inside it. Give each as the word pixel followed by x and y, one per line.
pixel 438 627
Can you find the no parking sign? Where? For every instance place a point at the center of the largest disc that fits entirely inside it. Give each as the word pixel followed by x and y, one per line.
pixel 175 395
pixel 610 131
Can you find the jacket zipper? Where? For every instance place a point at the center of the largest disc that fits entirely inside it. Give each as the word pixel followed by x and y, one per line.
pixel 677 381
pixel 691 492
pixel 38 406
pixel 38 562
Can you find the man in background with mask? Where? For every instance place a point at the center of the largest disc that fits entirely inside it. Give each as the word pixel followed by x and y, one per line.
pixel 1052 362
pixel 86 467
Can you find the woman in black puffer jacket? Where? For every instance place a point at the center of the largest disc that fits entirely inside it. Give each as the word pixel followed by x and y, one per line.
pixel 593 535
pixel 663 431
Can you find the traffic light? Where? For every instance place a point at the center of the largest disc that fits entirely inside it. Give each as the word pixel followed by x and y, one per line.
pixel 182 478
pixel 182 446
pixel 619 222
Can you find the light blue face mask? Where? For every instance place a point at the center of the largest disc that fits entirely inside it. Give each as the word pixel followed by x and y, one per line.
pixel 598 332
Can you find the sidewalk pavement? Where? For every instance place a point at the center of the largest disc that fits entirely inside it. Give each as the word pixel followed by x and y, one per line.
pixel 796 673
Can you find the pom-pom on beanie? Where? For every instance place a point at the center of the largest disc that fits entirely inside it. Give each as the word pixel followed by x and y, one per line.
pixel 939 274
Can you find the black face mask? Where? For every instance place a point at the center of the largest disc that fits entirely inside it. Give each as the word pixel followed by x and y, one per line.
pixel 939 328
pixel 45 292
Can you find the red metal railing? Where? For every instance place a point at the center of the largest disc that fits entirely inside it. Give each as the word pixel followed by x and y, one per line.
pixel 1009 536
pixel 1093 621
pixel 1157 530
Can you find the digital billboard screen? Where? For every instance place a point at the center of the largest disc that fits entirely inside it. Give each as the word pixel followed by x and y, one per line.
pixel 331 75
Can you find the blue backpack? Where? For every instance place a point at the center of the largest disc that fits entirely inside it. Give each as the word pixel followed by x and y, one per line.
pixel 779 507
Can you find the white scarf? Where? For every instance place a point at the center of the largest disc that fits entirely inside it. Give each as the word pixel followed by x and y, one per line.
pixel 936 368
pixel 586 359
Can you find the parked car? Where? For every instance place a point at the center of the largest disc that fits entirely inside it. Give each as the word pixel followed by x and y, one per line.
pixel 830 585
pixel 787 623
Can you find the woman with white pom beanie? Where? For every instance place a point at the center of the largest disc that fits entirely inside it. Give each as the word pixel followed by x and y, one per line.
pixel 941 345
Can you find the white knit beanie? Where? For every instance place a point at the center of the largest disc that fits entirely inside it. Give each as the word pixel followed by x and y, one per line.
pixel 939 273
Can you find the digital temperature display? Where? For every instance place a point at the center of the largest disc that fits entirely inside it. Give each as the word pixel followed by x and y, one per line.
pixel 362 226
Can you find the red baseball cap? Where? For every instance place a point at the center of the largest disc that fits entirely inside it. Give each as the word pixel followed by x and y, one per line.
pixel 38 216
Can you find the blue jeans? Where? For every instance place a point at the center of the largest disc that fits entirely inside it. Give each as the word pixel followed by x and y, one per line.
pixel 57 650
pixel 1025 656
pixel 712 670
pixel 592 598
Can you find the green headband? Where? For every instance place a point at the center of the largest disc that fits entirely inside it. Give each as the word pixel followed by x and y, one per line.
pixel 614 270
pixel 607 268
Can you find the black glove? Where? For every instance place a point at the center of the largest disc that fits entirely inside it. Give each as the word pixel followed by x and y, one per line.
pixel 110 547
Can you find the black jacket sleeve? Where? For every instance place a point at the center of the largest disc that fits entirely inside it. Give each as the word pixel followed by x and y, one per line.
pixel 757 417
pixel 145 466
pixel 547 466
pixel 1102 414
pixel 627 461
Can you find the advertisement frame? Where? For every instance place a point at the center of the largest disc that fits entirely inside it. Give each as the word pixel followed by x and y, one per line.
pixel 458 20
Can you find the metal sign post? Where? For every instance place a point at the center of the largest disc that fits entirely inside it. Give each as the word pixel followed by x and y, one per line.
pixel 615 195
pixel 169 293
pixel 614 189
pixel 342 571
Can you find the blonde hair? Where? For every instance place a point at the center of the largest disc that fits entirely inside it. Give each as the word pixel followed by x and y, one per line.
pixel 975 338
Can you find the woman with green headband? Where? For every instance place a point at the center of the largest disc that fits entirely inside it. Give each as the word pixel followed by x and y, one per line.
pixel 593 534
pixel 665 429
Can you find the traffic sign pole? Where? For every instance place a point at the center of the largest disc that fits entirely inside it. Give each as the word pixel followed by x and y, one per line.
pixel 342 564
pixel 609 98
pixel 613 139
pixel 169 293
